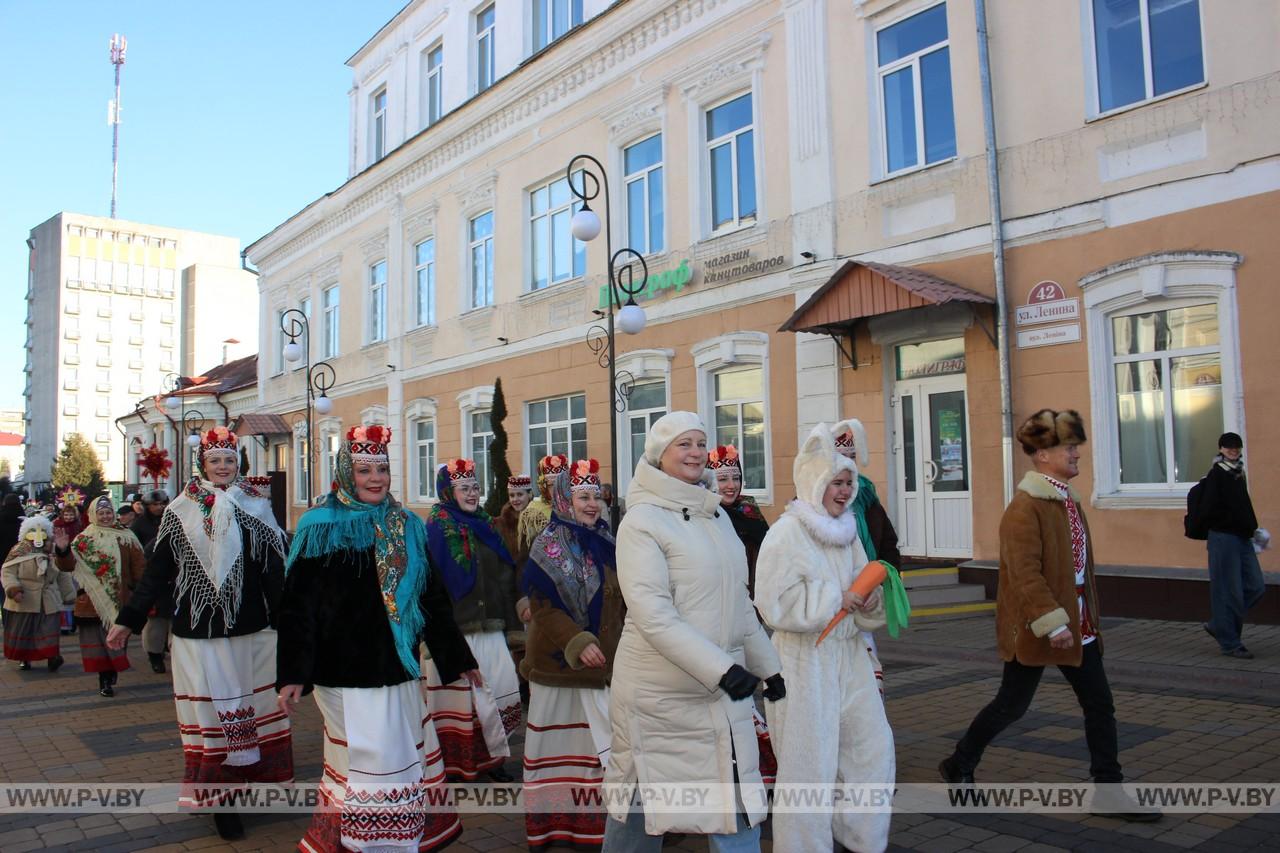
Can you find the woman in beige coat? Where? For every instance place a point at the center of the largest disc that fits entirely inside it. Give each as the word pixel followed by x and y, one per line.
pixel 691 655
pixel 34 593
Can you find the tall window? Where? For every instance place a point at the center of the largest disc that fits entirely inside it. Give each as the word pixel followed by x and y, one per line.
pixel 481 437
pixel 277 355
pixel 558 426
pixel 645 404
pixel 554 18
pixel 305 307
pixel 480 237
pixel 1168 387
pixel 1145 48
pixel 378 125
pixel 424 455
pixel 329 445
pixel 914 73
pixel 329 346
pixel 740 420
pixel 424 271
pixel 302 454
pixel 642 167
pixel 556 256
pixel 731 149
pixel 433 83
pixel 485 68
pixel 378 302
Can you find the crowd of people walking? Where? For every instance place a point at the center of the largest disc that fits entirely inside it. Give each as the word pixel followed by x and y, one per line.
pixel 637 657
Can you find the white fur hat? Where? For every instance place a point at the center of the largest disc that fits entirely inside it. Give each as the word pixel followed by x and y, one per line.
pixel 817 465
pixel 858 448
pixel 31 523
pixel 666 429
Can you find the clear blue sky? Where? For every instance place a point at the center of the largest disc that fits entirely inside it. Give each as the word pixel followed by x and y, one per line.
pixel 235 117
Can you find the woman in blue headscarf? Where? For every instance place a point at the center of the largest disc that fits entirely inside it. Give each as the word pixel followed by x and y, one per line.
pixel 359 596
pixel 473 721
pixel 572 583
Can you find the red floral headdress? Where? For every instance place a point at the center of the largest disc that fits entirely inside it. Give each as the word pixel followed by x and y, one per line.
pixel 725 456
pixel 519 481
pixel 368 443
pixel 460 471
pixel 218 440
pixel 585 474
pixel 549 466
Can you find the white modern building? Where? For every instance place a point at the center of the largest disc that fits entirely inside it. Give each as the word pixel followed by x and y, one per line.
pixel 111 312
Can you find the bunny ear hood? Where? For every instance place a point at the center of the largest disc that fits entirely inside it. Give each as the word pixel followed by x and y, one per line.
pixel 817 464
pixel 862 452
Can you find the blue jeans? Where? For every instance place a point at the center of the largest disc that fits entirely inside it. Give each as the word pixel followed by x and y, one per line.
pixel 630 837
pixel 1235 585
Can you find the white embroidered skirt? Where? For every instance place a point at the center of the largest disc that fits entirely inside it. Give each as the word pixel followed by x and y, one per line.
pixel 566 750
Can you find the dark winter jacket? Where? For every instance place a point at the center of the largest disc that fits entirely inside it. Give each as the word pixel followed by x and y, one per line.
pixel 1227 507
pixel 334 630
pixel 146 526
pixel 491 604
pixel 260 597
pixel 11 517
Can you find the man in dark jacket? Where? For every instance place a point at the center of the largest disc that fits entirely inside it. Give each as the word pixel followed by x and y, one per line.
pixel 11 518
pixel 1235 578
pixel 155 636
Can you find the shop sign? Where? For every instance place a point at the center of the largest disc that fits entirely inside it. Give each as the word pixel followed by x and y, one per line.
pixel 1047 303
pixel 739 264
pixel 674 279
pixel 933 358
pixel 1067 333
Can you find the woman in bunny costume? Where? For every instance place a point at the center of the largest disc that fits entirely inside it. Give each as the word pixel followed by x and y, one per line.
pixel 806 566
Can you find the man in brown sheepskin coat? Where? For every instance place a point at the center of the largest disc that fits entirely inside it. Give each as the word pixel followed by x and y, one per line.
pixel 1047 607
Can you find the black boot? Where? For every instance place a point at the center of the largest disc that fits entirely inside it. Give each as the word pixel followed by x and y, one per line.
pixel 157 662
pixel 55 662
pixel 104 684
pixel 229 826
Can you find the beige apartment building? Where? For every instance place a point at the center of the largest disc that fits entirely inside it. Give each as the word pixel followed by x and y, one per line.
pixel 808 182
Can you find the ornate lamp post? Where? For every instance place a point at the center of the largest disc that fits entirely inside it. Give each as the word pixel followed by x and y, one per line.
pixel 320 378
pixel 192 424
pixel 174 402
pixel 622 283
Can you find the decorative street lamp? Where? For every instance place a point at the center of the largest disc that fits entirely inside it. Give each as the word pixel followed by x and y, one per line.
pixel 320 378
pixel 193 425
pixel 175 402
pixel 585 226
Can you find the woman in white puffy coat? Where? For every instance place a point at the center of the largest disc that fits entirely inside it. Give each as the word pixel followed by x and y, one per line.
pixel 833 725
pixel 691 654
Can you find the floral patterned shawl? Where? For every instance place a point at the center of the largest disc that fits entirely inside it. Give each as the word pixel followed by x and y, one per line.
pixel 568 560
pixel 99 551
pixel 452 538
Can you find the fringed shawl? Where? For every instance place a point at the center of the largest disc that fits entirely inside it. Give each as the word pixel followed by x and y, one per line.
pixel 567 561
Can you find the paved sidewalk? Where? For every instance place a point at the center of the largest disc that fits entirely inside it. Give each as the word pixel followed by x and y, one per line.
pixel 1185 714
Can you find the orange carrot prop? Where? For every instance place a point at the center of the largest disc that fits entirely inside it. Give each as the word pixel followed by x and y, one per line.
pixel 871 576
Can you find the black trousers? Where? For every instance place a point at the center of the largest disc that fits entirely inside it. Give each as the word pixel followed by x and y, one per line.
pixel 1018 687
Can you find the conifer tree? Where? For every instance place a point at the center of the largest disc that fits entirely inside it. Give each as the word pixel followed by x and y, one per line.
pixel 499 468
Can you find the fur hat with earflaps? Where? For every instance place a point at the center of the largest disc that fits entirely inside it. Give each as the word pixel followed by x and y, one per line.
pixel 1047 428
pixel 817 464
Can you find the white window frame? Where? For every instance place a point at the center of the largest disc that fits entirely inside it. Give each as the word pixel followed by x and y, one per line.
pixel 304 305
pixel 1093 98
pixel 378 125
pixel 472 245
pixel 912 60
pixel 429 269
pixel 1155 282
pixel 331 322
pixel 708 145
pixel 472 401
pixel 736 349
pixel 548 424
pixel 301 463
pixel 645 175
pixel 432 106
pixel 479 37
pixel 329 433
pixel 376 328
pixel 422 410
pixel 576 247
pixel 549 36
pixel 645 365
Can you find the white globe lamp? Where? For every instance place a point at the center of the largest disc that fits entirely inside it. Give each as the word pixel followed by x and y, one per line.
pixel 292 352
pixel 193 440
pixel 172 402
pixel 323 404
pixel 631 319
pixel 585 225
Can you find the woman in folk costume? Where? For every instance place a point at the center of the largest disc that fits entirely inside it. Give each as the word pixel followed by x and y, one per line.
pixel 725 466
pixel 535 516
pixel 34 593
pixel 107 564
pixel 358 598
pixel 833 725
pixel 691 655
pixel 70 518
pixel 473 720
pixel 875 530
pixel 572 583
pixel 220 547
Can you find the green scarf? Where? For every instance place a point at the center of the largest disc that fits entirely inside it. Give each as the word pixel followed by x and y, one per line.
pixel 897 609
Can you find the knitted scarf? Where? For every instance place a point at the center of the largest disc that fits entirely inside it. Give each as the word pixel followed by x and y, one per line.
pixel 567 561
pixel 398 539
pixel 453 537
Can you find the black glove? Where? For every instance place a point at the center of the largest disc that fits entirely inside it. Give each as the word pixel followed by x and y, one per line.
pixel 775 688
pixel 738 683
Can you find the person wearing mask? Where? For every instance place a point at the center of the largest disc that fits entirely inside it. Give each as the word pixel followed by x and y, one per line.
pixel 34 595
pixel 359 597
pixel 221 549
pixel 155 635
pixel 691 654
pixel 1235 577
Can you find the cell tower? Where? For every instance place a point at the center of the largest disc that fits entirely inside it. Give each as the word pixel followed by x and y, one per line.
pixel 118 45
